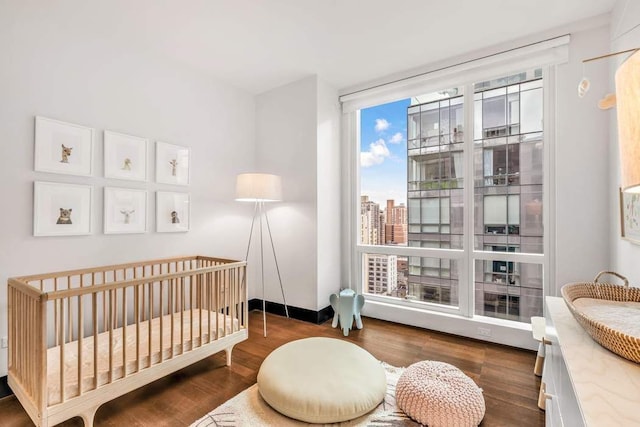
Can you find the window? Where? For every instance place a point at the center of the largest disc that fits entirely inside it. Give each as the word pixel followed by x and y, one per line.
pixel 452 219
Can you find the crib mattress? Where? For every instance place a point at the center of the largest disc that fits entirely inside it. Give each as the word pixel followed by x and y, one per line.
pixel 192 320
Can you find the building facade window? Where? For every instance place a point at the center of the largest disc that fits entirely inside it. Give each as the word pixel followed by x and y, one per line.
pixel 466 218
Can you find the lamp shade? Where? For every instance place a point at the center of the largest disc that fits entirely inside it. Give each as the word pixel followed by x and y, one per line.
pixel 258 187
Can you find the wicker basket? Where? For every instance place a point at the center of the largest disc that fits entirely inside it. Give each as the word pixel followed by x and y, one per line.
pixel 622 344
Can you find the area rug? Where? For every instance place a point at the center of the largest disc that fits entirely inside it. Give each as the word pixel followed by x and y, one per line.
pixel 249 409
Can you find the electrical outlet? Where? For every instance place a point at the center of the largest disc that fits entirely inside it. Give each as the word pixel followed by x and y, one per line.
pixel 485 332
pixel 5 342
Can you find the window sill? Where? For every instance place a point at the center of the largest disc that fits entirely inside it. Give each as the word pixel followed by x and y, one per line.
pixel 515 334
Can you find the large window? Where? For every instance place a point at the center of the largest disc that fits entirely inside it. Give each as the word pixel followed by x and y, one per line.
pixel 450 218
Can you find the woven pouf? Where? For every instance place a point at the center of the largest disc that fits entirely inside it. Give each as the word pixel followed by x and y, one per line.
pixel 439 394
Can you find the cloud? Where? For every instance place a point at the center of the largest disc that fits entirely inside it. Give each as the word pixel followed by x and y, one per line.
pixel 378 151
pixel 397 138
pixel 382 125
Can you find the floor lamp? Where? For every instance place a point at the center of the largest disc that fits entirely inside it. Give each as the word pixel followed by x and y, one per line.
pixel 261 188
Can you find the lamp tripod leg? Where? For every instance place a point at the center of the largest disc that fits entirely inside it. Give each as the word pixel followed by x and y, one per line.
pixel 264 308
pixel 255 213
pixel 286 309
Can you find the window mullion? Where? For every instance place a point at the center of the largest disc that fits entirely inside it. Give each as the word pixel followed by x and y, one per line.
pixel 467 274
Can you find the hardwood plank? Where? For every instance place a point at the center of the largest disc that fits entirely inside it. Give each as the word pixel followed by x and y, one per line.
pixel 504 373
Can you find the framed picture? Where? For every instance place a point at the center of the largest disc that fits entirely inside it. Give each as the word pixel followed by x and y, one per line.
pixel 172 212
pixel 125 156
pixel 630 214
pixel 125 210
pixel 61 209
pixel 63 147
pixel 172 164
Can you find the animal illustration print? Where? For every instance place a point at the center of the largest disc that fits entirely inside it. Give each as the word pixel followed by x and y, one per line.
pixel 66 152
pixel 127 215
pixel 174 218
pixel 65 216
pixel 174 165
pixel 127 164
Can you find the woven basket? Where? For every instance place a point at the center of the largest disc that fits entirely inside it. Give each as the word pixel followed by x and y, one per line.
pixel 621 344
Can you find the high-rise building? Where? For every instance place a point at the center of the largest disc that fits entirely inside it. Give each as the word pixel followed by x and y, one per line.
pixel 395 225
pixel 370 225
pixel 382 274
pixel 507 189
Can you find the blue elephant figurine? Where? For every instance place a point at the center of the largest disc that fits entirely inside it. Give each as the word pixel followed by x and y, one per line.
pixel 346 306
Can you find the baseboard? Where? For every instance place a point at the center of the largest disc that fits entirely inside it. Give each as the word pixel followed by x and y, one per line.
pixel 4 387
pixel 303 314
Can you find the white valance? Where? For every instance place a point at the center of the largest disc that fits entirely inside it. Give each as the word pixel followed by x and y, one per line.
pixel 548 52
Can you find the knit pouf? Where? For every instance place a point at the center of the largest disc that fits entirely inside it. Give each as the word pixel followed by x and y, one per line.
pixel 438 394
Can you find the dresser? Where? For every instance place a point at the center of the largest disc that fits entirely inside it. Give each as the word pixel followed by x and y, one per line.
pixel 585 384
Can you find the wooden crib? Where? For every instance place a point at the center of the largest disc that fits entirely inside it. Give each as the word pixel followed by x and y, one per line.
pixel 80 338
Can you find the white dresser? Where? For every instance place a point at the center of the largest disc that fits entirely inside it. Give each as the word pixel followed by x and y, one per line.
pixel 586 384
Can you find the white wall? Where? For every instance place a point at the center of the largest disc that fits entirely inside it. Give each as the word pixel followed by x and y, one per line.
pixel 286 134
pixel 50 69
pixel 581 156
pixel 329 194
pixel 298 137
pixel 624 254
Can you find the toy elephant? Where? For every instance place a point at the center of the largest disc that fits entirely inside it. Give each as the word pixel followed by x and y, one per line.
pixel 346 306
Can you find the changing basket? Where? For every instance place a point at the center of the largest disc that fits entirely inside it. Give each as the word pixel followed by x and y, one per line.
pixel 623 344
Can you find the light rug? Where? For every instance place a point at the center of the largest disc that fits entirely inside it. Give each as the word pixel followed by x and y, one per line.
pixel 249 409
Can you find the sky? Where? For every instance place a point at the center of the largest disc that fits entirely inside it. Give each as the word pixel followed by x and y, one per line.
pixel 383 152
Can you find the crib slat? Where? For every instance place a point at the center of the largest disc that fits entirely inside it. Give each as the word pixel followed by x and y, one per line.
pixel 80 336
pixel 191 311
pixel 209 294
pixel 225 304
pixel 111 316
pixel 199 305
pixel 95 338
pixel 171 311
pixel 41 351
pixel 69 320
pixel 22 363
pixel 162 321
pixel 104 304
pixel 150 319
pixel 55 314
pixel 61 350
pixel 182 308
pixel 11 324
pixel 124 331
pixel 217 302
pixel 234 289
pixel 137 318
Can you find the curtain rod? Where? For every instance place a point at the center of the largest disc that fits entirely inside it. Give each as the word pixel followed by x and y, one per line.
pixel 595 58
pixel 451 66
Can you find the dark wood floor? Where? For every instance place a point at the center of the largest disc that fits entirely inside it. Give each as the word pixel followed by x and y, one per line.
pixel 504 373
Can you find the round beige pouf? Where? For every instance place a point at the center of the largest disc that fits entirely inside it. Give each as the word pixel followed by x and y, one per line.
pixel 439 394
pixel 322 380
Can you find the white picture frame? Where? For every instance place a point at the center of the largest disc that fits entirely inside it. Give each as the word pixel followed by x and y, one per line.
pixel 125 210
pixel 173 212
pixel 61 209
pixel 172 164
pixel 64 148
pixel 630 214
pixel 125 156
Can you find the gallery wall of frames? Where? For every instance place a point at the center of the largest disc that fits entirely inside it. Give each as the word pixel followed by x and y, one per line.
pixel 65 209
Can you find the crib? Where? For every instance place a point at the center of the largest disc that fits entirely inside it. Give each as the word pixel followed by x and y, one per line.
pixel 80 338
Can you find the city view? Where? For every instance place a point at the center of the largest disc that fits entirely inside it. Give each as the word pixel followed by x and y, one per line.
pixel 412 185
